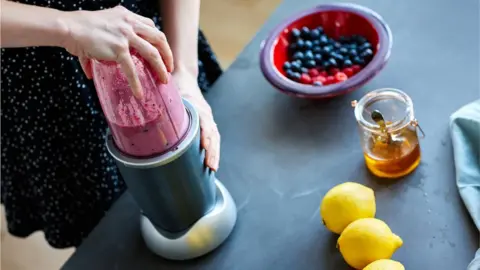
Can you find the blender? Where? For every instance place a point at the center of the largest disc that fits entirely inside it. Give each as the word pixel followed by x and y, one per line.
pixel 185 211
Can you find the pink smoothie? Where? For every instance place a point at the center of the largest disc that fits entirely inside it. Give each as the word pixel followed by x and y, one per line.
pixel 145 127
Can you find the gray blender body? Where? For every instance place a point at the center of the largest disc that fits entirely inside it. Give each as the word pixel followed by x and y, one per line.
pixel 180 198
pixel 184 189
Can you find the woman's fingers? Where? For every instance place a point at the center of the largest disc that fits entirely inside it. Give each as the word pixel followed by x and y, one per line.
pixel 211 143
pixel 86 66
pixel 128 67
pixel 210 137
pixel 215 149
pixel 151 54
pixel 144 20
pixel 157 39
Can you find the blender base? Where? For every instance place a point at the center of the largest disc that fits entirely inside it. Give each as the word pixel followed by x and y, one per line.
pixel 202 237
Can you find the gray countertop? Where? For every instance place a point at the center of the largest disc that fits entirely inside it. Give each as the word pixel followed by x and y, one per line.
pixel 280 155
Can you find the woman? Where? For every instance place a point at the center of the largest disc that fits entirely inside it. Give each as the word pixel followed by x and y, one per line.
pixel 56 173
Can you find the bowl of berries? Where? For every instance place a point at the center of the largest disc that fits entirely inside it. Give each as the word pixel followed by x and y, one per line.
pixel 326 51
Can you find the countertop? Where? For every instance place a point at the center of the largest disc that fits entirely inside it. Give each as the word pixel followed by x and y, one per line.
pixel 280 155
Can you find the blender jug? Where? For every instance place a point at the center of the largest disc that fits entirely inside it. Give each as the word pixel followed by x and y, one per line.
pixel 149 133
pixel 140 127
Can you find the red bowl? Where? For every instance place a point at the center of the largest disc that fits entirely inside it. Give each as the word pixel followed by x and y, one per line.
pixel 337 20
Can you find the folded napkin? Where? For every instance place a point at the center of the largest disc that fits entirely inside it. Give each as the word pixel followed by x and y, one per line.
pixel 465 132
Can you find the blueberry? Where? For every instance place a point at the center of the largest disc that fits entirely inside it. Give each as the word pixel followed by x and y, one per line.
pixel 308 55
pixel 304 70
pixel 315 33
pixel 305 32
pixel 367 53
pixel 337 45
pixel 333 62
pixel 316 42
pixel 310 64
pixel 343 50
pixel 344 39
pixel 296 33
pixel 347 63
pixel 327 49
pixel 292 47
pixel 323 40
pixel 296 76
pixel 352 46
pixel 304 62
pixel 290 73
pixel 287 66
pixel 317 49
pixel 317 83
pixel 295 69
pixel 352 52
pixel 358 61
pixel 337 56
pixel 320 29
pixel 365 46
pixel 298 56
pixel 360 39
pixel 296 66
pixel 326 64
pixel 300 44
pixel 308 45
pixel 317 57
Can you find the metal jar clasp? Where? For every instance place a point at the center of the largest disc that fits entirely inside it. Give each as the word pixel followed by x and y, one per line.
pixel 415 123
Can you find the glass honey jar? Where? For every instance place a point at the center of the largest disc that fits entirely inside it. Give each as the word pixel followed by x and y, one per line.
pixel 388 132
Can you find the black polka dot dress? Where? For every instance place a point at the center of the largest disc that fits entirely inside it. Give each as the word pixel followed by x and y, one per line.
pixel 56 175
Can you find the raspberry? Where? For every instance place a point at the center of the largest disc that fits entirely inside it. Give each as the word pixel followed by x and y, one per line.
pixel 348 72
pixel 329 80
pixel 356 68
pixel 341 77
pixel 323 73
pixel 334 71
pixel 305 79
pixel 320 79
pixel 313 72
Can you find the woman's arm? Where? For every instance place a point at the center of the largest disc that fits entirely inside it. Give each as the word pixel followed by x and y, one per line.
pixel 102 35
pixel 26 25
pixel 180 23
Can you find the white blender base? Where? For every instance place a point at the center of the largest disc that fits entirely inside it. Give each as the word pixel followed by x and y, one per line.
pixel 202 237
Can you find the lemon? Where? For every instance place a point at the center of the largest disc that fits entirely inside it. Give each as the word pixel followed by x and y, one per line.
pixel 385 265
pixel 346 203
pixel 367 240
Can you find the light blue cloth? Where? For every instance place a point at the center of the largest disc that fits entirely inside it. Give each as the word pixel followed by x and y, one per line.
pixel 465 132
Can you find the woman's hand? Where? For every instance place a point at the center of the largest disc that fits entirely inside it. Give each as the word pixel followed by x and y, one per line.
pixel 109 34
pixel 210 137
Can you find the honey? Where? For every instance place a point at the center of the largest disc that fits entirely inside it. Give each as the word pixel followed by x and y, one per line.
pixel 394 159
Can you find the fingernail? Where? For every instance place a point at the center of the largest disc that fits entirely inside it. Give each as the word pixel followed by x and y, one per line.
pixel 139 93
pixel 212 163
pixel 165 79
